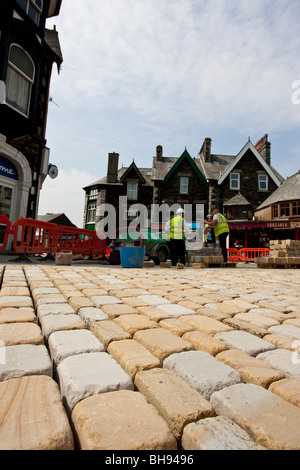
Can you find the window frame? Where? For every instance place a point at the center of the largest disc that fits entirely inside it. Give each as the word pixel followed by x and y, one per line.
pixel 238 180
pixel 132 194
pixel 260 181
pixel 184 185
pixel 30 80
pixel 91 210
pixel 32 4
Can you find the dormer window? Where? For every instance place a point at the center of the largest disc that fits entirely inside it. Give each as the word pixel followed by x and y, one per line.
pixel 33 8
pixel 19 79
pixel 132 191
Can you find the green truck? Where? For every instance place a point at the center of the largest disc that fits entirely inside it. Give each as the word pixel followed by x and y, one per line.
pixel 156 245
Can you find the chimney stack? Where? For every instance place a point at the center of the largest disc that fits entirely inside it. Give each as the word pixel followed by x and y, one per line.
pixel 206 150
pixel 112 167
pixel 264 148
pixel 159 152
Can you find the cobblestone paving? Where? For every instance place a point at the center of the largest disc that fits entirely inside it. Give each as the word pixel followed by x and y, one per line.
pixel 100 357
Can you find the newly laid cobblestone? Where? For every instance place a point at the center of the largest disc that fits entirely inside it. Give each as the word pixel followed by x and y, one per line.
pixel 121 420
pixel 177 402
pixel 202 371
pixel 32 416
pixel 272 421
pixel 174 357
pixel 217 433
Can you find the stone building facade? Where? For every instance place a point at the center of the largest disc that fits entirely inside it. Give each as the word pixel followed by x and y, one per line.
pixel 28 51
pixel 235 184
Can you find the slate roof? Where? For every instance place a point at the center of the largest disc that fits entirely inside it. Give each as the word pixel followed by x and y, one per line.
pixel 237 200
pixel 52 40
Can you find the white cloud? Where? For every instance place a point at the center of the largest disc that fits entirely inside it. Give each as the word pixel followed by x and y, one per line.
pixel 65 194
pixel 172 72
pixel 214 58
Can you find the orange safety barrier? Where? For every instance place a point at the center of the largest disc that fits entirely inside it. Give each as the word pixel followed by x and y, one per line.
pixel 249 254
pixel 246 254
pixel 32 236
pixel 5 230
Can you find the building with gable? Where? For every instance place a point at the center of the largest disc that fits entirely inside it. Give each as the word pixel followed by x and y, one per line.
pixel 236 184
pixel 28 51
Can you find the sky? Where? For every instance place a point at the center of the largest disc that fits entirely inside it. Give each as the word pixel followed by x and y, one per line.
pixel 142 73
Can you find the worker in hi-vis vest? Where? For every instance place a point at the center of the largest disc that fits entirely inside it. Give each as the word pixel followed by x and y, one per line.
pixel 221 230
pixel 177 231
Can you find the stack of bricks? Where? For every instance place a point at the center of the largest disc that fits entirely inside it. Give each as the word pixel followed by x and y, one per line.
pixel 283 253
pixel 205 261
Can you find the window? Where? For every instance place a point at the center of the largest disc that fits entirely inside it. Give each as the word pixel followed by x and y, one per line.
pixel 93 192
pixel 275 211
pixel 296 208
pixel 132 191
pixel 33 8
pixel 19 79
pixel 91 213
pixel 184 185
pixel 235 181
pixel 284 209
pixel 263 182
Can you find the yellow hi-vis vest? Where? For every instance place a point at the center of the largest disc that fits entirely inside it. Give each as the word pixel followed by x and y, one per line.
pixel 177 228
pixel 222 226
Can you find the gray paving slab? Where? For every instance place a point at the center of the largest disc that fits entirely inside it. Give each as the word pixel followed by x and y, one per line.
pixel 89 374
pixel 202 371
pixel 24 359
pixel 283 360
pixel 247 342
pixel 63 344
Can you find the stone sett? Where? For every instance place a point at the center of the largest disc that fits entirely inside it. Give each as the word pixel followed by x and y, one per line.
pixel 100 423
pixel 67 343
pixel 176 401
pixel 107 331
pixel 218 433
pixel 246 342
pixel 216 344
pixel 32 416
pixel 202 371
pixel 273 422
pixel 161 342
pixel 89 374
pixel 251 369
pixel 132 356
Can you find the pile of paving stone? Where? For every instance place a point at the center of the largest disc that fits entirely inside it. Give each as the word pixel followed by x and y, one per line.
pixel 283 253
pixel 159 359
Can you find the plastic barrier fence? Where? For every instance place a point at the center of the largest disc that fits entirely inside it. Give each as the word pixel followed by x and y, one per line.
pixel 36 237
pixel 246 254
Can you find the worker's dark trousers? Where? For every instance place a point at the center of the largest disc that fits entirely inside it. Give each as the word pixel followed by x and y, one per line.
pixel 222 241
pixel 177 250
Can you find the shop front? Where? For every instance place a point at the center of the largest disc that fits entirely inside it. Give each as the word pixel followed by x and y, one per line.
pixel 257 234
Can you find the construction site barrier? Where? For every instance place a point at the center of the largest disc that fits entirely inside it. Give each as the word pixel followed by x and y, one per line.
pixel 32 236
pixel 246 254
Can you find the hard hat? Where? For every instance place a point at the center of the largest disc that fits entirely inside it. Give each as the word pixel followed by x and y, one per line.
pixel 180 211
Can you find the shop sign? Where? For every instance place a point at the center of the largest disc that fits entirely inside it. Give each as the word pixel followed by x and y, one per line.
pixel 7 169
